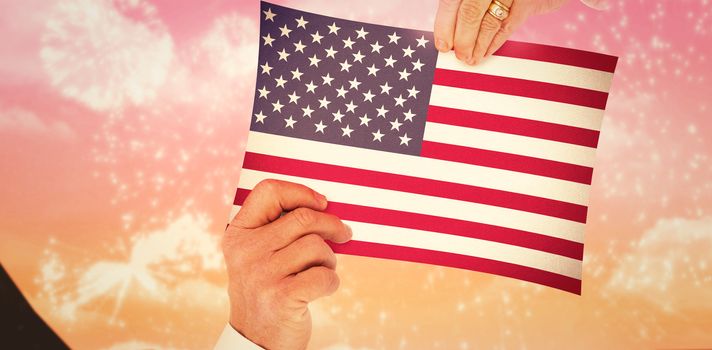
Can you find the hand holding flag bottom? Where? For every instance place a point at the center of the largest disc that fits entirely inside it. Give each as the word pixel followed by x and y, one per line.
pixel 278 263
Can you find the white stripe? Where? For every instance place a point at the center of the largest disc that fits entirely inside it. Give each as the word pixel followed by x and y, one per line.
pixel 429 205
pixel 508 143
pixel 521 68
pixel 468 246
pixel 388 162
pixel 517 106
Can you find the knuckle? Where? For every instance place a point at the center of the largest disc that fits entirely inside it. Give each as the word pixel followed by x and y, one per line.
pixel 330 280
pixel 313 241
pixel 470 12
pixel 304 217
pixel 267 185
pixel 490 24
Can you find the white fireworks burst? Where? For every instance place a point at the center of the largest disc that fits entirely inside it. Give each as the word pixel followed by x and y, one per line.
pixel 97 53
pixel 155 260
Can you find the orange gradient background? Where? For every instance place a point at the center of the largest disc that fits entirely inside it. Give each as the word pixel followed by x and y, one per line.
pixel 122 131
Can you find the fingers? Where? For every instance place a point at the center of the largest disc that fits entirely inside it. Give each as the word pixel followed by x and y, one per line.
pixel 304 221
pixel 469 19
pixel 313 283
pixel 488 29
pixel 517 16
pixel 445 24
pixel 304 253
pixel 270 198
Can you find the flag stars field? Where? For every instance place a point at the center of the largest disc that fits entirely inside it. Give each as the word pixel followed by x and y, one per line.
pixel 340 65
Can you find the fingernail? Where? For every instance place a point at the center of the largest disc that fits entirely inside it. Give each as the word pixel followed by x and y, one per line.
pixel 472 61
pixel 321 199
pixel 351 231
pixel 441 45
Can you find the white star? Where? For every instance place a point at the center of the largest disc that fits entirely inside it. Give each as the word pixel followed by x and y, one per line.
pixel 277 107
pixel 341 92
pixel 377 136
pixel 364 120
pixel 307 111
pixel 327 79
pixel 395 125
pixel 299 47
pixel 399 100
pixel 337 116
pixel 417 65
pixel 382 111
pixel 296 74
pixel 408 52
pixel 310 86
pixel 283 55
pixel 404 75
pixel 368 96
pixel 324 103
pixel 293 97
pixel 394 38
pixel 301 22
pixel 290 122
pixel 351 107
pixel 404 139
pixel 345 66
pixel 354 83
pixel 263 92
pixel 266 68
pixel 422 41
pixel 372 70
pixel 268 40
pixel 361 34
pixel 376 48
pixel 269 15
pixel 316 38
pixel 348 43
pixel 260 117
pixel 320 127
pixel 390 61
pixel 330 52
pixel 347 131
pixel 358 57
pixel 313 61
pixel 333 29
pixel 412 92
pixel 409 115
pixel 280 82
pixel 385 89
pixel 285 31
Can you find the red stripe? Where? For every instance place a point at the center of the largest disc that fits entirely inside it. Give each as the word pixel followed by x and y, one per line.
pixel 561 55
pixel 507 161
pixel 511 125
pixel 403 183
pixel 525 273
pixel 521 87
pixel 456 227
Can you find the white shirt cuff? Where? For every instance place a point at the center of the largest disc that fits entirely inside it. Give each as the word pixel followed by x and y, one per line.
pixel 230 339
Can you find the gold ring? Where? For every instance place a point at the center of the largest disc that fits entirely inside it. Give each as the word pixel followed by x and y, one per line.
pixel 498 10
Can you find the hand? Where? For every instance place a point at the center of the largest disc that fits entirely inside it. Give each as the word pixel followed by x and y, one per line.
pixel 466 26
pixel 277 265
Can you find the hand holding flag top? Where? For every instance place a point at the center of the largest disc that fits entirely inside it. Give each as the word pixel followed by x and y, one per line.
pixel 476 29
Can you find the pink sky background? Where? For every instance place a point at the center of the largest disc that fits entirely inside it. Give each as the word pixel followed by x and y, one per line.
pixel 122 131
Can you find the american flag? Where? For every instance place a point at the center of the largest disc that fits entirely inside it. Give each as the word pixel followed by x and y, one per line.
pixel 486 168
